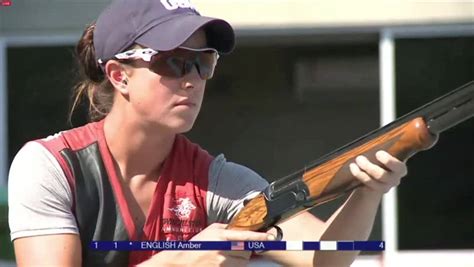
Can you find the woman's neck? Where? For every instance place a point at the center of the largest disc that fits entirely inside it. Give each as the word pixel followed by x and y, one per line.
pixel 138 151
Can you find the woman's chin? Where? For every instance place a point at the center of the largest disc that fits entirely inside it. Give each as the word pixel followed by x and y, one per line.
pixel 177 124
pixel 182 126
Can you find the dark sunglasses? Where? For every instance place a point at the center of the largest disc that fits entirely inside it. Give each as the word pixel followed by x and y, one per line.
pixel 176 63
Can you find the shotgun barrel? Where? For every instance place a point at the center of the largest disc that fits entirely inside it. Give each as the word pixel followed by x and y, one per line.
pixel 329 177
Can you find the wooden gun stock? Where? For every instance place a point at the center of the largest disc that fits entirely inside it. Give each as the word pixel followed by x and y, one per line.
pixel 330 177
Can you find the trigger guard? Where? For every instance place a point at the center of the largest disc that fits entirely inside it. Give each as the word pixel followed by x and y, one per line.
pixel 279 236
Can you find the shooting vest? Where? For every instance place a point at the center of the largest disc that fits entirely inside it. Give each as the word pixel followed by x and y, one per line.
pixel 178 207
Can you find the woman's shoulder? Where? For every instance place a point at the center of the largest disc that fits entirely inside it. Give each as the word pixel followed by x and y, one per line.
pixel 38 189
pixel 230 184
pixel 34 160
pixel 74 138
pixel 236 178
pixel 33 152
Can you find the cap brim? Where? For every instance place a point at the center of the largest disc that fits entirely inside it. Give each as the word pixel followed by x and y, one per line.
pixel 172 33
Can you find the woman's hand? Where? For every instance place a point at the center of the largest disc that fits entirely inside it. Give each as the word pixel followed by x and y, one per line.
pixel 379 179
pixel 217 232
pixel 214 232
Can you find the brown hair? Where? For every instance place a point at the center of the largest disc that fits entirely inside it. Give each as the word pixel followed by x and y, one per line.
pixel 93 84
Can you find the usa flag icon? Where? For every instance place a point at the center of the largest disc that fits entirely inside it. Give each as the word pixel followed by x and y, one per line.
pixel 237 245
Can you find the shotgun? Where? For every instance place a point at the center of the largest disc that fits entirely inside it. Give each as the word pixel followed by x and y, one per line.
pixel 329 177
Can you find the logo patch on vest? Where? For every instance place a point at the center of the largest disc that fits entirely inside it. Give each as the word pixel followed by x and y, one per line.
pixel 186 219
pixel 183 209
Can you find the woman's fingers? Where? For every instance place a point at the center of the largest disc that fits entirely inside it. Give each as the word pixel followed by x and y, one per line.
pixel 242 254
pixel 235 261
pixel 234 235
pixel 392 163
pixel 367 180
pixel 375 171
pixel 377 178
pixel 218 231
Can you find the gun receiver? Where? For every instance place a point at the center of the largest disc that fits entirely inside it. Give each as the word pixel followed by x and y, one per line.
pixel 329 177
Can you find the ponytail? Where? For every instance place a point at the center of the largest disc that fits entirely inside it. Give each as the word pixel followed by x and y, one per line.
pixel 92 84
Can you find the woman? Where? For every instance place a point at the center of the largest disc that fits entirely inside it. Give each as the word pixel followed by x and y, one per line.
pixel 131 175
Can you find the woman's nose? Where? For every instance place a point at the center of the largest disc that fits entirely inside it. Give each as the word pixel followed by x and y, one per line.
pixel 191 78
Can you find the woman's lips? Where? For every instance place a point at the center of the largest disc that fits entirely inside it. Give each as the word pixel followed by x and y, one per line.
pixel 185 103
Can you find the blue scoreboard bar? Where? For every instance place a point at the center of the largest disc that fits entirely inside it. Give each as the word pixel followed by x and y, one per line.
pixel 240 245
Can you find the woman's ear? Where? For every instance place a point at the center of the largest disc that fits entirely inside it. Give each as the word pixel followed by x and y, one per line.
pixel 117 76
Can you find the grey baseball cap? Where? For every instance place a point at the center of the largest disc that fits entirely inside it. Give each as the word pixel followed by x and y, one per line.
pixel 161 25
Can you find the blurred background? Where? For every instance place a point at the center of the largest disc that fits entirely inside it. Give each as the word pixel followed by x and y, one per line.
pixel 306 77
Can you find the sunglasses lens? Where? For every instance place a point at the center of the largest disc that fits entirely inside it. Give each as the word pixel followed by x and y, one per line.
pixel 167 66
pixel 206 63
pixel 179 62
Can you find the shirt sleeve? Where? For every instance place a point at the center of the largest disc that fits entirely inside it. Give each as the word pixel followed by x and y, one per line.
pixel 39 196
pixel 230 184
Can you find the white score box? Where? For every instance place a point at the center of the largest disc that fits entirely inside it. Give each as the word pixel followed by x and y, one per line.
pixel 294 245
pixel 328 245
